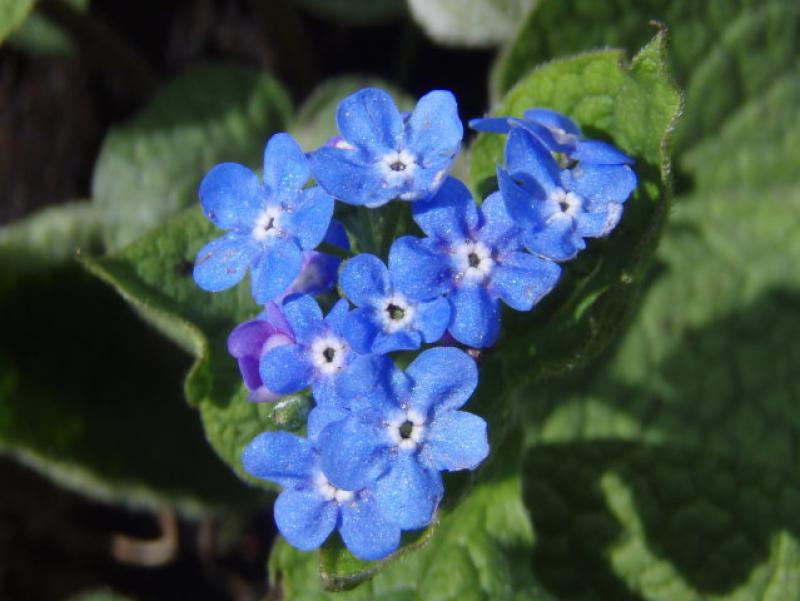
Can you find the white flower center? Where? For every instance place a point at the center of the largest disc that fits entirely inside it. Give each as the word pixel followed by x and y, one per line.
pixel 328 354
pixel 329 492
pixel 407 430
pixel 473 261
pixel 396 167
pixel 562 137
pixel 567 202
pixel 268 224
pixel 394 313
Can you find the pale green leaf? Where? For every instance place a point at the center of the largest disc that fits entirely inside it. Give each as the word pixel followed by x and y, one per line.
pixel 470 22
pixel 150 168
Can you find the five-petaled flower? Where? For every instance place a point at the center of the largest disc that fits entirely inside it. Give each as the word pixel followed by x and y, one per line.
pixel 317 356
pixel 269 222
pixel 387 319
pixel 473 257
pixel 557 208
pixel 402 431
pixel 310 507
pixel 382 155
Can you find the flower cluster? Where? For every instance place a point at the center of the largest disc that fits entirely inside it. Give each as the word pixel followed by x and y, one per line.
pixel 379 437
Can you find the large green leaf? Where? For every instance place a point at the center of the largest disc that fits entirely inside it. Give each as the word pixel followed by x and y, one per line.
pixel 50 237
pixel 479 553
pixel 12 15
pixel 677 456
pixel 635 106
pixel 39 35
pixel 149 169
pixel 91 399
pixel 154 274
pixel 722 52
pixel 470 22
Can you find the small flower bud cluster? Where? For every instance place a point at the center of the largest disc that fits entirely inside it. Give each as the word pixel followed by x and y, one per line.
pixel 379 437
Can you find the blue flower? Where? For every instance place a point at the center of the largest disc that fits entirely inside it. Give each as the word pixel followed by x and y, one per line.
pixel 269 223
pixel 251 339
pixel 383 156
pixel 318 355
pixel 405 429
pixel 310 507
pixel 559 134
pixel 472 256
pixel 557 208
pixel 387 319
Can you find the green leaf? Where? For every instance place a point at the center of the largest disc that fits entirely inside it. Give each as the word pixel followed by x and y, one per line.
pixel 91 399
pixel 723 52
pixel 100 594
pixel 315 122
pixel 479 552
pixel 154 274
pixel 470 22
pixel 676 456
pixel 49 237
pixel 354 12
pixel 634 106
pixel 12 15
pixel 150 168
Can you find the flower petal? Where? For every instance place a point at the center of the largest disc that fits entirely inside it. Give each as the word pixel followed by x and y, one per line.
pixel 337 315
pixel 285 166
pixel 409 493
pixel 321 417
pixel 443 378
pixel 231 196
pixel 368 382
pixel 492 125
pixel 450 215
pixel 369 119
pixel 280 457
pixel 456 440
pixel 365 530
pixel 556 240
pixel 432 319
pixel 520 202
pixel 286 369
pixel 552 120
pixel 303 316
pixel 305 518
pixel 311 214
pixel 499 229
pixel 275 270
pixel 527 159
pixel 222 263
pixel 396 341
pixel 476 316
pixel 346 175
pixel 599 223
pixel 354 451
pixel 365 280
pixel 522 279
pixel 418 268
pixel 434 130
pixel 600 153
pixel 249 368
pixel 360 329
pixel 247 338
pixel 601 184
